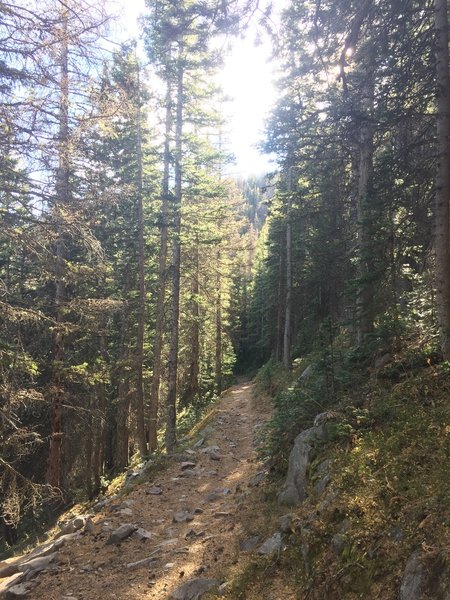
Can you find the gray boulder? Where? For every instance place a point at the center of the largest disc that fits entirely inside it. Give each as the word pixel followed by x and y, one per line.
pixel 306 374
pixel 194 589
pixel 305 445
pixel 414 578
pixel 37 564
pixel 426 576
pixel 20 590
pixel 271 545
pixel 322 476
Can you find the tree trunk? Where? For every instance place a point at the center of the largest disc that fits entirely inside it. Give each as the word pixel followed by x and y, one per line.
pixel 288 298
pixel 162 281
pixel 442 176
pixel 122 434
pixel 89 449
pixel 54 465
pixel 279 330
pixel 364 302
pixel 121 456
pixel 99 427
pixel 140 411
pixel 191 391
pixel 170 437
pixel 218 360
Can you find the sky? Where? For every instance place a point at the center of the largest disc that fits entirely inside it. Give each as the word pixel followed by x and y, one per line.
pixel 247 79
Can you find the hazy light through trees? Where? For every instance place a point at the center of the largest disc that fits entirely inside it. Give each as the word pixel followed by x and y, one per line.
pixel 247 79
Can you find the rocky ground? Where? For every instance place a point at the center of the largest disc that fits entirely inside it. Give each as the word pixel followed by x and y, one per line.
pixel 171 537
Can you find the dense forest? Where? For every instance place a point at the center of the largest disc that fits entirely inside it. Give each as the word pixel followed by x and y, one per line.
pixel 137 278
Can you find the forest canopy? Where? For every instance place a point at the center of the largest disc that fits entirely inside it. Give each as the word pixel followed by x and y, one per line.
pixel 137 278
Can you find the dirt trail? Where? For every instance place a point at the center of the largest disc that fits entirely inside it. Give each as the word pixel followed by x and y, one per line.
pixel 212 492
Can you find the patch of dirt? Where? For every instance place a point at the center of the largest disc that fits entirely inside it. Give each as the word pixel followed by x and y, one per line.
pixel 216 493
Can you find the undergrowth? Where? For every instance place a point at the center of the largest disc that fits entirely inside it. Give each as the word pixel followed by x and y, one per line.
pixel 389 457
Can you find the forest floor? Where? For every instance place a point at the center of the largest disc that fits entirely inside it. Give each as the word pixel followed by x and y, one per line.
pixel 218 495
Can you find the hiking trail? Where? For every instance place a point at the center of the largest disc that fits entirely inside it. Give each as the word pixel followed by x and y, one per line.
pixel 185 523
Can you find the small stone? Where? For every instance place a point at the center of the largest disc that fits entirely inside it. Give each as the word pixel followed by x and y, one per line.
pixel 285 523
pixel 187 465
pixel 198 511
pixel 126 512
pixel 169 566
pixel 131 477
pixel 194 534
pixel 189 473
pixel 210 450
pixel 212 497
pixel 142 534
pixel 122 533
pixel 221 514
pixel 339 542
pixel 183 517
pixel 200 442
pixel 256 480
pixel 145 562
pixel 250 544
pixel 155 491
pixel 215 456
pixel 89 526
pixel 73 525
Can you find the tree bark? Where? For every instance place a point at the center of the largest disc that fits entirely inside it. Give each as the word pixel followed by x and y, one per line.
pixel 170 437
pixel 98 458
pixel 140 410
pixel 54 465
pixel 364 301
pixel 219 351
pixel 162 282
pixel 442 194
pixel 280 309
pixel 122 434
pixel 287 335
pixel 192 388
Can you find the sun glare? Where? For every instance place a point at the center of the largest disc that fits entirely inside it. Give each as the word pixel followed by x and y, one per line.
pixel 247 81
